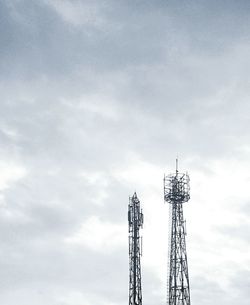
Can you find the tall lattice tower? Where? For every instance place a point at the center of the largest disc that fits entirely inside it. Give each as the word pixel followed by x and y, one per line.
pixel 135 222
pixel 176 192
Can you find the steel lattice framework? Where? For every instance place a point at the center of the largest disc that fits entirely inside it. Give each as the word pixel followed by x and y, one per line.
pixel 135 222
pixel 176 192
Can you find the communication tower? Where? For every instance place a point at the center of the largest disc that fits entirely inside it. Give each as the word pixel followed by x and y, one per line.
pixel 135 222
pixel 176 192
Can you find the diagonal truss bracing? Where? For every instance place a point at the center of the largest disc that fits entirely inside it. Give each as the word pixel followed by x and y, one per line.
pixel 176 192
pixel 135 222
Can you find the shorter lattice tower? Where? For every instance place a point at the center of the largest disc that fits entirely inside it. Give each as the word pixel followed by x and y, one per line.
pixel 176 192
pixel 135 222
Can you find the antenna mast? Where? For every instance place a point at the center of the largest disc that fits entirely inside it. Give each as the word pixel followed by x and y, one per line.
pixel 176 192
pixel 135 222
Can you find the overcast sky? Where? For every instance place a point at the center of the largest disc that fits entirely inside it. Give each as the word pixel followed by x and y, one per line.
pixel 97 98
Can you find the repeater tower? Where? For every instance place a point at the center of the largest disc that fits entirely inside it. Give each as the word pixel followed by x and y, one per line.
pixel 176 192
pixel 135 222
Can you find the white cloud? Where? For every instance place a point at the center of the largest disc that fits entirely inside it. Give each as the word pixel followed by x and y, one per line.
pixel 10 173
pixel 99 235
pixel 95 104
pixel 77 12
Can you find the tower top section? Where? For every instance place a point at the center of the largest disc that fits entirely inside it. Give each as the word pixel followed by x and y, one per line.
pixel 135 215
pixel 176 187
pixel 135 199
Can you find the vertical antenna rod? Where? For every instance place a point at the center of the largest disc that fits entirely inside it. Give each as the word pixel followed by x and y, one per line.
pixel 135 222
pixel 176 192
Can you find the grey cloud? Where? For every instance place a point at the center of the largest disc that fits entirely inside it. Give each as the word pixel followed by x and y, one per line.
pixel 209 292
pixel 235 290
pixel 46 43
pixel 47 271
pixel 77 100
pixel 239 232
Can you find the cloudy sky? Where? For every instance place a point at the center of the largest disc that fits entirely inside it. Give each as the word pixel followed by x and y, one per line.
pixel 97 98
